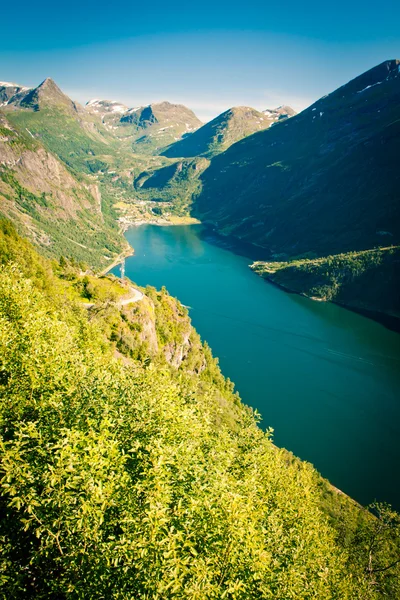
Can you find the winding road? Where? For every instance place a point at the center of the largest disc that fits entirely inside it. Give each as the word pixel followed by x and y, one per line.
pixel 134 296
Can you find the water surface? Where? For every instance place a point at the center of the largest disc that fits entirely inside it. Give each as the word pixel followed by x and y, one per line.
pixel 326 379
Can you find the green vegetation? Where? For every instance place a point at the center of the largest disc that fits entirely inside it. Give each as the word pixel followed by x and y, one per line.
pixel 131 469
pixel 63 135
pixel 129 466
pixel 365 280
pixel 145 129
pixel 174 185
pixel 325 181
pixel 220 133
pixel 96 157
pixel 62 212
pixel 322 183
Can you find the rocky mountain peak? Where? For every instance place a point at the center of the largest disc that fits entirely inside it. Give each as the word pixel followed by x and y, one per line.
pixel 46 94
pixel 104 107
pixel 9 90
pixel 280 113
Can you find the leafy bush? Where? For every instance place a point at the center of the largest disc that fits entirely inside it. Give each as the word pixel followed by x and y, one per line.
pixel 127 479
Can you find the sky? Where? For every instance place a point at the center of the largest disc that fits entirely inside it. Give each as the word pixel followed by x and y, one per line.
pixel 209 56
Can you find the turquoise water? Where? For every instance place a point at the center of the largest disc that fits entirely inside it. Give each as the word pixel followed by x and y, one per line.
pixel 326 379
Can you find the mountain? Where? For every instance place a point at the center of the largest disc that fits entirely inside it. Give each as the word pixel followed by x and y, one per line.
pixel 105 107
pixel 130 467
pixel 172 186
pixel 223 131
pixel 78 137
pixel 324 181
pixel 280 113
pixel 60 124
pixel 45 95
pixel 148 128
pixel 60 213
pixel 90 151
pixel 10 91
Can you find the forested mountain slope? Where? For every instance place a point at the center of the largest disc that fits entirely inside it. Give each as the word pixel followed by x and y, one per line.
pixel 324 181
pixel 367 280
pixel 59 212
pixel 127 474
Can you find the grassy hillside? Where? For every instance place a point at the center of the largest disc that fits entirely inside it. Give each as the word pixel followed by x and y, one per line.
pixel 59 211
pixel 220 133
pixel 172 186
pixel 99 150
pixel 146 129
pixel 325 181
pixel 366 281
pixel 129 475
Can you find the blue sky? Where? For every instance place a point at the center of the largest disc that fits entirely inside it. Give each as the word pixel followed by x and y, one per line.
pixel 209 56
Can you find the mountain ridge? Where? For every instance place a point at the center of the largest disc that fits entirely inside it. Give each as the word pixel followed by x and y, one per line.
pixel 150 127
pixel 224 130
pixel 288 159
pixel 322 183
pixel 46 95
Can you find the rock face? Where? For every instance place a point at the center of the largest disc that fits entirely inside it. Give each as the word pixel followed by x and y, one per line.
pixel 280 113
pixel 149 128
pixel 162 326
pixel 223 131
pixel 45 200
pixel 325 181
pixel 10 91
pixel 45 95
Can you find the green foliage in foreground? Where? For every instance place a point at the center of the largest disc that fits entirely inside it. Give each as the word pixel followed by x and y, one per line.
pixel 120 480
pixel 117 484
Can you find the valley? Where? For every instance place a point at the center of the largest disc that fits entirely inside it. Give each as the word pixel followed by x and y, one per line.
pixel 134 462
pixel 309 368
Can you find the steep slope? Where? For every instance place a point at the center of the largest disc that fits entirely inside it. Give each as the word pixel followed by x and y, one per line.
pixel 49 205
pixel 125 476
pixel 325 181
pixel 11 92
pixel 174 184
pixel 220 133
pixel 88 146
pixel 45 95
pixel 366 281
pixel 147 128
pixel 62 125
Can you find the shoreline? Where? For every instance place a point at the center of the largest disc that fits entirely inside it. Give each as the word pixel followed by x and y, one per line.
pixel 118 259
pixel 126 225
pixel 390 322
pixel 235 245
